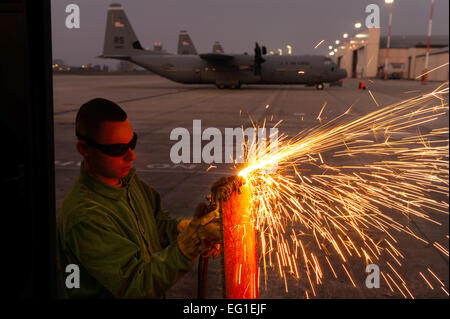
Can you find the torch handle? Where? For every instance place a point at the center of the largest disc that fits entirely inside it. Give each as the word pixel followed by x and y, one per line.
pixel 202 272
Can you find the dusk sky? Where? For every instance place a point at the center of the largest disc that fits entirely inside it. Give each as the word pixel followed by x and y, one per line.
pixel 235 24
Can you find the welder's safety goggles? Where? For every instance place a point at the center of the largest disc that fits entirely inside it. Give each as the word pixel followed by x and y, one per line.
pixel 114 150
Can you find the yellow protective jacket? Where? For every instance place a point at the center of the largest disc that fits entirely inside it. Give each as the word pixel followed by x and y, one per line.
pixel 122 241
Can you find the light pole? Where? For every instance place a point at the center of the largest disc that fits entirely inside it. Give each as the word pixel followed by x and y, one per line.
pixel 388 45
pixel 430 22
pixel 357 27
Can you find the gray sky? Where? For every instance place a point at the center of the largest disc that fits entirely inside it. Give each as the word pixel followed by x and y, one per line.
pixel 237 24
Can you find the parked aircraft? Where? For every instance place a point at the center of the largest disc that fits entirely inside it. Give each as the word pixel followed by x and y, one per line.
pixel 223 70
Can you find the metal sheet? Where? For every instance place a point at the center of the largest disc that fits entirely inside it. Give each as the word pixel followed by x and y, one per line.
pixel 240 247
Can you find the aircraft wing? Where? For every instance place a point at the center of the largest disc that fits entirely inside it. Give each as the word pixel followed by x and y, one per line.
pixel 216 57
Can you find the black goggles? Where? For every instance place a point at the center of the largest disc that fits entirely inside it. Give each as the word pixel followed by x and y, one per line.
pixel 114 150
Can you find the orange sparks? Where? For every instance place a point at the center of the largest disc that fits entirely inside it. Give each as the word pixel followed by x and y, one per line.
pixel 350 277
pixel 424 278
pixel 373 98
pixel 323 107
pixel 387 281
pixel 318 44
pixel 436 277
pixel 331 206
pixel 442 65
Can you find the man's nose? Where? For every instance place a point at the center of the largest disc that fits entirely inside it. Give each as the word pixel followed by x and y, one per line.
pixel 130 156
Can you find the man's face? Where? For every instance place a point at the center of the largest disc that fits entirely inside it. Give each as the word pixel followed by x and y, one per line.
pixel 105 166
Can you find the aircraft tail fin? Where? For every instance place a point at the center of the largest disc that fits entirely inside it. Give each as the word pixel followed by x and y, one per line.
pixel 185 44
pixel 120 40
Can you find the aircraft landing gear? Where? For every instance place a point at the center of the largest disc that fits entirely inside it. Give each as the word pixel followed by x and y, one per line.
pixel 232 86
pixel 319 86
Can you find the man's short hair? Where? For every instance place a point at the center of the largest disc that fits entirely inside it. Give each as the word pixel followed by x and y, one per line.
pixel 94 112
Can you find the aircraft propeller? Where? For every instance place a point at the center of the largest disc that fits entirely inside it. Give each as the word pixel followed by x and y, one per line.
pixel 258 58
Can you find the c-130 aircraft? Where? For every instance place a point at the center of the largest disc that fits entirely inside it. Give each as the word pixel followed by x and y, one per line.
pixel 223 70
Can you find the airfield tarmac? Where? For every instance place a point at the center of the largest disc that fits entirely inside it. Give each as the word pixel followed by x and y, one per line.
pixel 156 106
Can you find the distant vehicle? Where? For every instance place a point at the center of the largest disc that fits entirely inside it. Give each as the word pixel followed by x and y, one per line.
pixel 395 70
pixel 223 70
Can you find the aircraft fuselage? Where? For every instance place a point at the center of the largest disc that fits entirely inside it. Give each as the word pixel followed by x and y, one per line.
pixel 275 70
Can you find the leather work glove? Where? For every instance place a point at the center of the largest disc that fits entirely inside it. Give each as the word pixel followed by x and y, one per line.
pixel 182 225
pixel 201 234
pixel 214 251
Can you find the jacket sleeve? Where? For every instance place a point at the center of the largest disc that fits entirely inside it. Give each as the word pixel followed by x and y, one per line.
pixel 115 261
pixel 167 226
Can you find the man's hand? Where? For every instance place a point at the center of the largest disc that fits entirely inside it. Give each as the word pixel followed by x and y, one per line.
pixel 182 225
pixel 201 234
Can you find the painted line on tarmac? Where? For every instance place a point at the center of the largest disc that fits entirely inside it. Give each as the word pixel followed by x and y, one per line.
pixel 133 99
pixel 154 168
pixel 156 95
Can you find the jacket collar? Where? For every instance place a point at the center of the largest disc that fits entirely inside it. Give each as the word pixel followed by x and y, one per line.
pixel 106 190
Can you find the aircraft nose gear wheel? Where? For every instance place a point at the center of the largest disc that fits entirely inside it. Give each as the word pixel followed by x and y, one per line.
pixel 319 86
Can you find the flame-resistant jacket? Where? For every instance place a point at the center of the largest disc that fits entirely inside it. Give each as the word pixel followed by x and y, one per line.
pixel 122 241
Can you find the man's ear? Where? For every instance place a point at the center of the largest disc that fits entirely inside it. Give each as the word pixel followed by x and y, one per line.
pixel 82 148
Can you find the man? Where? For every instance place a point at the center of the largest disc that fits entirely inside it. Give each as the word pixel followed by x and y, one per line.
pixel 111 224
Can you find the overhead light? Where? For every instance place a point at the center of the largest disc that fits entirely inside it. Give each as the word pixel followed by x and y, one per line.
pixel 335 50
pixel 361 35
pixel 301 72
pixel 330 47
pixel 357 25
pixel 345 35
pixel 337 41
pixel 289 49
pixel 388 1
pixel 331 53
